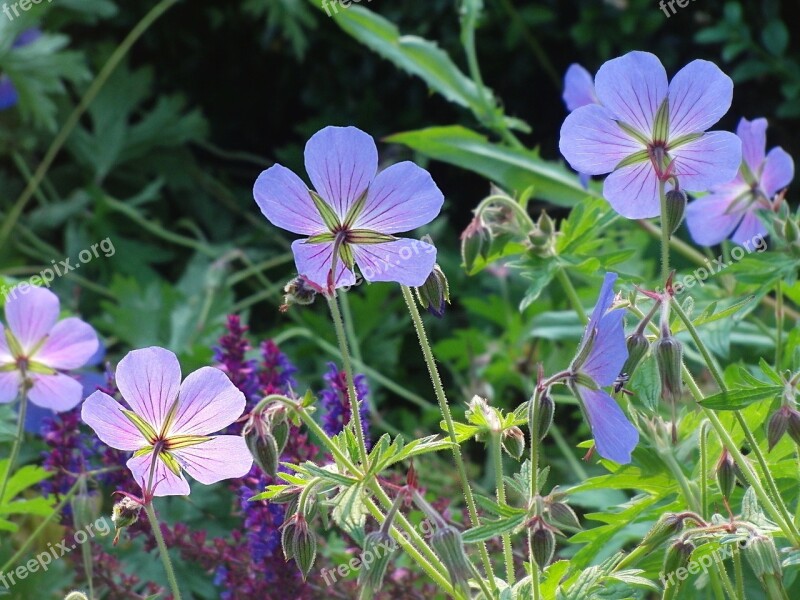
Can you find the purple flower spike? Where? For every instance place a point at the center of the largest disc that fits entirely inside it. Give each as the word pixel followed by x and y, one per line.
pixel 730 210
pixel 351 217
pixel 602 354
pixel 37 347
pixel 169 423
pixel 645 131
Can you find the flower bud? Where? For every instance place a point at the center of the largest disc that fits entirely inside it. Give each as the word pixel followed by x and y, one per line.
pixel 562 515
pixel 380 547
pixel 677 556
pixel 638 345
pixel 449 547
pixel 791 231
pixel 669 356
pixel 514 442
pixel 475 242
pixel 287 536
pixel 778 425
pixel 794 425
pixel 124 514
pixel 543 543
pixel 76 596
pixel 676 207
pixel 264 448
pixel 435 292
pixel 299 291
pixel 667 526
pixel 763 556
pixel 545 409
pixel 726 474
pixel 304 546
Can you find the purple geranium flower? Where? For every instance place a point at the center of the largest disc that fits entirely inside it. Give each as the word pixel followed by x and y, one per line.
pixel 8 93
pixel 646 131
pixel 730 210
pixel 602 354
pixel 169 422
pixel 579 91
pixel 351 217
pixel 36 348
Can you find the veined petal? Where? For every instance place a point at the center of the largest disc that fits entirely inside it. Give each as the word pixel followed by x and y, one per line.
pixel 31 315
pixel 341 162
pixel 406 261
pixel 57 392
pixel 632 191
pixel 402 197
pixel 604 301
pixel 609 350
pixel 105 415
pixel 578 87
pixel 778 171
pixel 699 95
pixel 221 457
pixel 207 402
pixel 614 436
pixel 9 386
pixel 165 482
pixel 633 87
pixel 593 142
pixel 70 345
pixel 754 143
pixel 286 201
pixel 750 229
pixel 314 261
pixel 149 380
pixel 710 219
pixel 6 356
pixel 710 160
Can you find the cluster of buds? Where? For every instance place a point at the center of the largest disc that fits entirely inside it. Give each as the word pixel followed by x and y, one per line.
pixel 266 433
pixel 299 542
pixel 434 294
pixel 542 239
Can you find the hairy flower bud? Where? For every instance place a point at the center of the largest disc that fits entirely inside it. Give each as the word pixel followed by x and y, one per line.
pixel 794 425
pixel 677 556
pixel 726 474
pixel 304 546
pixel 449 547
pixel 543 543
pixel 514 442
pixel 264 448
pixel 475 243
pixel 299 291
pixel 380 548
pixel 124 514
pixel 669 356
pixel 763 556
pixel 435 292
pixel 638 345
pixel 562 515
pixel 539 424
pixel 676 207
pixel 667 526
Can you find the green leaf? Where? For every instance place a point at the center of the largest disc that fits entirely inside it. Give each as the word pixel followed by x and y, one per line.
pixel 738 399
pixel 493 529
pixel 646 383
pixel 349 511
pixel 775 37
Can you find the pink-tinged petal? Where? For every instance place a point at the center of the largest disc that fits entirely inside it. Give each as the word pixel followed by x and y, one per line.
pixel 30 315
pixel 70 345
pixel 614 436
pixel 405 261
pixel 165 482
pixel 710 219
pixel 578 87
pixel 633 87
pixel 314 261
pixel 207 402
pixel 778 171
pixel 593 142
pixel 9 386
pixel 699 95
pixel 341 162
pixel 632 191
pixel 609 351
pixel 754 142
pixel 711 160
pixel 750 231
pixel 286 201
pixel 104 414
pixel 57 392
pixel 149 380
pixel 221 457
pixel 402 197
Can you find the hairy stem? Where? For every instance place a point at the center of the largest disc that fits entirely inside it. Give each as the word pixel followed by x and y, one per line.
pixel 508 551
pixel 162 550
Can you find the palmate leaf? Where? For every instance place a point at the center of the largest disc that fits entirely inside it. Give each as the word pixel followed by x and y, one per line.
pixel 23 479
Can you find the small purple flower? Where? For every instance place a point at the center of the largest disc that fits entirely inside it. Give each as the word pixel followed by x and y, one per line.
pixel 35 347
pixel 351 217
pixel 169 422
pixel 645 131
pixel 602 354
pixel 730 210
pixel 8 93
pixel 336 404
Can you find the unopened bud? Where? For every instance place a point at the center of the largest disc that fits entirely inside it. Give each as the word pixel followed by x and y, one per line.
pixel 264 448
pixel 287 536
pixel 380 547
pixel 514 442
pixel 543 543
pixel 475 243
pixel 794 426
pixel 449 547
pixel 677 556
pixel 669 356
pixel 124 514
pixel 778 425
pixel 726 474
pixel 304 546
pixel 638 345
pixel 562 515
pixel 667 526
pixel 435 292
pixel 539 424
pixel 763 556
pixel 676 207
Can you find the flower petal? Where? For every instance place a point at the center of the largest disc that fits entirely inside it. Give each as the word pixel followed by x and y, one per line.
pixel 165 482
pixel 754 142
pixel 149 380
pixel 632 191
pixel 750 230
pixel 70 345
pixel 711 160
pixel 614 436
pixel 9 386
pixel 633 87
pixel 207 402
pixel 578 87
pixel 104 414
pixel 57 392
pixel 593 142
pixel 221 457
pixel 402 197
pixel 778 171
pixel 609 351
pixel 604 301
pixel 406 261
pixel 314 261
pixel 699 95
pixel 341 162
pixel 286 201
pixel 6 358
pixel 8 93
pixel 709 219
pixel 31 314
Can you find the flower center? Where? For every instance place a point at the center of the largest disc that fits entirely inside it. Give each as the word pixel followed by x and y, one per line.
pixel 657 151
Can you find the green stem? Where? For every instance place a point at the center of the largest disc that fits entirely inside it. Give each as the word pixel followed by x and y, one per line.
pixel 572 294
pixel 508 551
pixel 738 573
pixel 74 118
pixel 23 409
pixel 704 472
pixel 162 549
pixel 778 324
pixel 355 413
pixel 536 593
pixel 430 361
pixel 665 234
